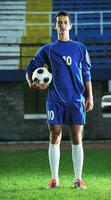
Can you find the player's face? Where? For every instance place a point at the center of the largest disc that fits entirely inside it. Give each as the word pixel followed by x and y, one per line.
pixel 63 24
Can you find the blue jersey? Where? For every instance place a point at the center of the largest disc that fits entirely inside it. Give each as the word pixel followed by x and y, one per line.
pixel 69 63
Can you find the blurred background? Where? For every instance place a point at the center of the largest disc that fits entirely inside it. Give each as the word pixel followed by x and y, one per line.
pixel 25 26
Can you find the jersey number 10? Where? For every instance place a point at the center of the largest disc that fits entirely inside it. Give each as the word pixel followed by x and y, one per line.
pixel 68 60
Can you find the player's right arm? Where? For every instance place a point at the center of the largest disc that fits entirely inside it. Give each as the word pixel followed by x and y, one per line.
pixel 34 84
pixel 37 61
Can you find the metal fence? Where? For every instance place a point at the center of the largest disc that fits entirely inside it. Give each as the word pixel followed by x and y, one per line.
pixel 79 19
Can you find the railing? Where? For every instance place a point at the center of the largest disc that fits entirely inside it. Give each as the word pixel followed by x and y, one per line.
pixel 101 20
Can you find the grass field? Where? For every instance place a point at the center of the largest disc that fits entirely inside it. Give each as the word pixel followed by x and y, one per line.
pixel 24 176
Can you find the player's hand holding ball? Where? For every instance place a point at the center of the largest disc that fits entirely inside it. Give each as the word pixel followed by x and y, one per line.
pixel 41 78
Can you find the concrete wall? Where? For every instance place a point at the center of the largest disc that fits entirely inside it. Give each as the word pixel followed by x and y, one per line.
pixel 97 127
pixel 13 126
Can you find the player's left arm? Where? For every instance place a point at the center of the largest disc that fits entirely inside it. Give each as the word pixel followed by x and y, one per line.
pixel 86 67
pixel 89 96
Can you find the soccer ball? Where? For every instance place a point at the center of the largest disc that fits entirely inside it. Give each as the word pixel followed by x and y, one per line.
pixel 42 75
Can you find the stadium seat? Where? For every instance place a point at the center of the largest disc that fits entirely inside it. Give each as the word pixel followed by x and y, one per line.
pixel 12 24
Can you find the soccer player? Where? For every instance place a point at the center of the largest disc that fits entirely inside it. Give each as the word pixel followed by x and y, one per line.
pixel 69 63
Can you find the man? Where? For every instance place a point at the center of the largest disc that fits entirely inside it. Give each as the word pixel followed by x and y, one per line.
pixel 69 63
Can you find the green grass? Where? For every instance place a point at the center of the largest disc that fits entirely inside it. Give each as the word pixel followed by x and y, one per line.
pixel 24 176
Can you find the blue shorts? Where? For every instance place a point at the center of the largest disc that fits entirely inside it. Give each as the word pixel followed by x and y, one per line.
pixel 65 113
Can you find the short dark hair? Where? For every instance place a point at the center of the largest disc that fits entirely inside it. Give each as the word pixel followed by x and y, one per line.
pixel 63 13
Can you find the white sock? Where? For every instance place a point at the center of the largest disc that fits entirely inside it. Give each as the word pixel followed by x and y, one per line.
pixel 77 157
pixel 54 157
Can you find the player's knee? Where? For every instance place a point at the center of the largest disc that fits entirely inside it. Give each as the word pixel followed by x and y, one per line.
pixel 76 139
pixel 55 139
pixel 55 135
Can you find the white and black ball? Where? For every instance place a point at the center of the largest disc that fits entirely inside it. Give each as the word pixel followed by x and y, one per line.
pixel 42 75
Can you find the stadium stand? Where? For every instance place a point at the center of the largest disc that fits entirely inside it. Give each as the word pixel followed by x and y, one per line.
pixel 100 53
pixel 92 5
pixel 12 23
pixel 36 33
pixel 84 5
pixel 88 17
pixel 24 27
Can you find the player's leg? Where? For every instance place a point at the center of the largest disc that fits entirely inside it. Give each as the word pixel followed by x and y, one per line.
pixel 77 154
pixel 55 132
pixel 77 149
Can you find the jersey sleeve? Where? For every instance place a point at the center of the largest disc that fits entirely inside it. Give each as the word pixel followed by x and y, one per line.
pixel 86 65
pixel 37 61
